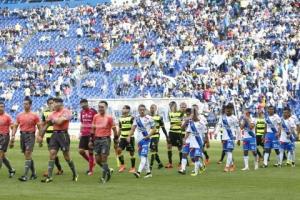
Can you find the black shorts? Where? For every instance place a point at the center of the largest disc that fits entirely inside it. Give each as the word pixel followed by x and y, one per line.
pixel 124 144
pixel 176 139
pixel 59 140
pixel 48 140
pixel 84 142
pixel 154 144
pixel 48 137
pixel 102 146
pixel 27 141
pixel 259 140
pixel 4 141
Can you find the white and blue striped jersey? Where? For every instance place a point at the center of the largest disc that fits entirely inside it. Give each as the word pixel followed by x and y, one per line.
pixel 143 126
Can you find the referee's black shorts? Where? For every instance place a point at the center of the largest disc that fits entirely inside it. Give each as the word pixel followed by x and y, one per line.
pixel 59 140
pixel 259 140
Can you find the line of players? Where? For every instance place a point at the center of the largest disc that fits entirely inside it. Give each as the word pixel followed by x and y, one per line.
pixel 188 132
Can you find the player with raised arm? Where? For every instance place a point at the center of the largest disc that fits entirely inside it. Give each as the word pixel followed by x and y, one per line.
pixel 194 140
pixel 249 139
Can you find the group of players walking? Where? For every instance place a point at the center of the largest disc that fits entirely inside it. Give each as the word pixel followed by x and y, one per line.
pixel 188 133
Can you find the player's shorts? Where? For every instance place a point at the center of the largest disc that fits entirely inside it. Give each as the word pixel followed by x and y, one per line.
pixel 4 141
pixel 154 144
pixel 259 140
pixel 249 144
pixel 143 147
pixel 84 142
pixel 271 142
pixel 59 140
pixel 102 145
pixel 27 141
pixel 228 145
pixel 287 146
pixel 176 139
pixel 194 152
pixel 125 145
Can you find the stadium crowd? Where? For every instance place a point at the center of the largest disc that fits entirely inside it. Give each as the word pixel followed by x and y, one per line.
pixel 212 51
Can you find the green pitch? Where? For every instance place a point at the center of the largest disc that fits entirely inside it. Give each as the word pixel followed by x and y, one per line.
pixel 271 183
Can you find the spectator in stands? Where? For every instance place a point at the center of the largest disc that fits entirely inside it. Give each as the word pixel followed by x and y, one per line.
pixel 27 92
pixel 108 68
pixel 14 108
pixel 79 32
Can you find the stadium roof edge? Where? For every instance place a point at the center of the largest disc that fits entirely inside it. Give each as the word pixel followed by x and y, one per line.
pixel 43 3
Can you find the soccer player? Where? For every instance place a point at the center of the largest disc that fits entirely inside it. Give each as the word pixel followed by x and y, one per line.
pixel 28 121
pixel 145 129
pixel 5 125
pixel 291 155
pixel 60 139
pixel 287 136
pixel 86 118
pixel 231 132
pixel 159 123
pixel 49 133
pixel 103 124
pixel 249 139
pixel 175 133
pixel 273 122
pixel 204 121
pixel 260 130
pixel 125 125
pixel 194 140
pixel 221 135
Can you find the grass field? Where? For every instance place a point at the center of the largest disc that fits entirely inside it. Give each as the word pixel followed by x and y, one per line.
pixel 271 183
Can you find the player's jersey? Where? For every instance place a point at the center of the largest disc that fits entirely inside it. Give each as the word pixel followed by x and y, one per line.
pixel 230 127
pixel 203 120
pixel 28 121
pixel 296 120
pixel 125 124
pixel 260 126
pixel 288 127
pixel 197 132
pixel 86 119
pixel 49 130
pixel 273 123
pixel 175 121
pixel 159 122
pixel 144 125
pixel 247 132
pixel 5 123
pixel 66 113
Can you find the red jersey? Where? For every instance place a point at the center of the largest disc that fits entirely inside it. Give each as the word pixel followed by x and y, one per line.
pixel 62 113
pixel 28 121
pixel 103 125
pixel 5 123
pixel 86 119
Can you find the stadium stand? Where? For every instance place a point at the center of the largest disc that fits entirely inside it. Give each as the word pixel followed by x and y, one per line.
pixel 215 51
